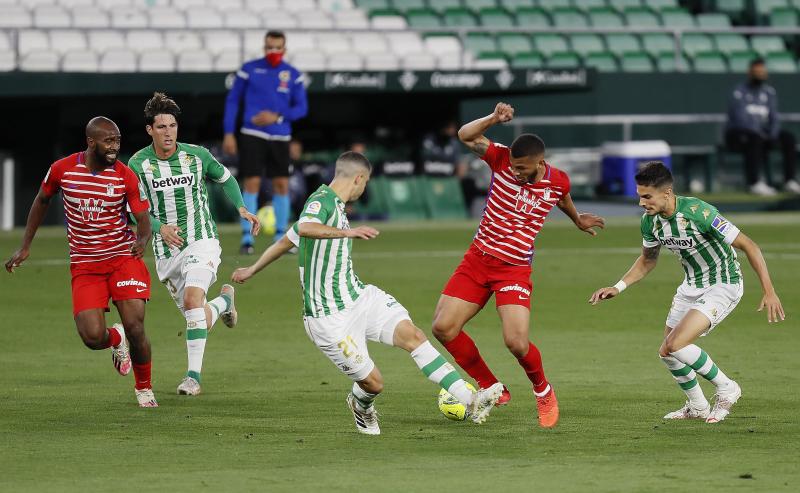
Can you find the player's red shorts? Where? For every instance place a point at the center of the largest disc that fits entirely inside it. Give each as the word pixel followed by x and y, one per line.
pixel 118 278
pixel 480 274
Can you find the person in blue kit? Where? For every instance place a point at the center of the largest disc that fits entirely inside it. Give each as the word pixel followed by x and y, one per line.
pixel 274 96
pixel 753 129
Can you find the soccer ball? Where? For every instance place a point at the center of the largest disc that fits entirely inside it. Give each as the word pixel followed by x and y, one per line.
pixel 266 216
pixel 451 407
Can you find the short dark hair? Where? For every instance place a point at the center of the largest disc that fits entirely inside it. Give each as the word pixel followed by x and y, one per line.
pixel 160 104
pixel 653 174
pixel 757 61
pixel 527 145
pixel 348 162
pixel 276 34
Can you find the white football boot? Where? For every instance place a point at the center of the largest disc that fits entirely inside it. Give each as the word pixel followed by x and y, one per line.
pixel 146 398
pixel 723 403
pixel 483 402
pixel 120 355
pixel 229 317
pixel 689 412
pixel 366 421
pixel 189 386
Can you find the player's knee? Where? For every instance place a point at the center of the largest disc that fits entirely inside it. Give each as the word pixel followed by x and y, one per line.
pixel 372 385
pixel 444 330
pixel 191 303
pixel 517 345
pixel 93 340
pixel 134 329
pixel 668 347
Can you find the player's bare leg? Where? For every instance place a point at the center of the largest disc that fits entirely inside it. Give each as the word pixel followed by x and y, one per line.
pixel 91 325
pixel 516 319
pixel 360 402
pixel 685 359
pixel 131 313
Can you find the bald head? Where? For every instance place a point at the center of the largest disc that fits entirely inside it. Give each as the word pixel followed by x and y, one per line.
pixel 351 163
pixel 100 125
pixel 103 140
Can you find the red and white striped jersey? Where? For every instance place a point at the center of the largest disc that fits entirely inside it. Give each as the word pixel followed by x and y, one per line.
pixel 514 212
pixel 95 206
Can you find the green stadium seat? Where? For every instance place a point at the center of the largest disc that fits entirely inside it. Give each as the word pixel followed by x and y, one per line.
pixel 665 61
pixel 660 4
pixel 735 9
pixel 568 17
pixel 494 17
pixel 730 42
pixel 406 5
pixel 713 20
pixel 497 59
pixel 512 5
pixel 377 207
pixel 480 42
pixel 676 17
pixel 637 62
pixel 554 4
pixel 764 7
pixel 693 43
pixel 531 59
pixel 655 43
pixel 442 5
pixel 641 17
pixel 710 61
pixel 587 5
pixel 513 43
pixel 533 17
pixel 423 18
pixel 404 200
pixel 784 17
pixel 619 43
pixel 443 197
pixel 781 62
pixel 603 61
pixel 547 43
pixel 621 5
pixel 373 4
pixel 459 17
pixel 739 61
pixel 605 17
pixel 563 59
pixel 583 44
pixel 477 5
pixel 767 43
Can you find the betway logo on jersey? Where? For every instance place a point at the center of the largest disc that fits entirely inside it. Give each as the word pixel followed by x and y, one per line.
pixel 177 181
pixel 677 242
pixel 90 209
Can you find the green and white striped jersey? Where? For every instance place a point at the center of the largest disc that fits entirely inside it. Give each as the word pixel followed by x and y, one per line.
pixel 176 189
pixel 701 237
pixel 326 268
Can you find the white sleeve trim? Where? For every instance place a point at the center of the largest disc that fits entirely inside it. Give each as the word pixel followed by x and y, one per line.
pixel 307 219
pixel 225 175
pixel 293 237
pixel 242 74
pixel 650 244
pixel 731 234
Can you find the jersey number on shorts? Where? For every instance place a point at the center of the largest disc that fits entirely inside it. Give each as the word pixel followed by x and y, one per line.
pixel 345 346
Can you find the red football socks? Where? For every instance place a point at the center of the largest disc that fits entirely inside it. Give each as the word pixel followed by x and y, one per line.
pixel 466 354
pixel 113 337
pixel 141 373
pixel 532 364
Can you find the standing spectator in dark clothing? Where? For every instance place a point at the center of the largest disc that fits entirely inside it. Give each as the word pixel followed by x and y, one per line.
pixel 753 129
pixel 441 152
pixel 274 96
pixel 307 176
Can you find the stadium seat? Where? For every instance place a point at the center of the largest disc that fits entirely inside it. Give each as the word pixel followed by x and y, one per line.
pixel 739 61
pixel 655 43
pixel 381 61
pixel 31 40
pixel 145 40
pixel 476 5
pixel 195 61
pixel 333 42
pixel 587 5
pixel 47 16
pixel 128 18
pixel 204 18
pixel 90 17
pixel 423 18
pixel 156 61
pixel 442 44
pixel 605 17
pixel 40 61
pixel 279 20
pixel 481 42
pixel 388 20
pixel 454 61
pixel 569 17
pixel 65 3
pixel 372 4
pixel 764 7
pixel 660 4
pixel 713 20
pixel 665 62
pixel 5 42
pixel 563 59
pixel 710 61
pixel 735 9
pixel 419 61
pixel 406 5
pixel 784 17
pixel 781 62
pixel 229 61
pixel 443 197
pixel 369 42
pixel 693 43
pixel 79 61
pixel 620 43
pixel 118 60
pixel 188 4
pixel 166 18
pixel 112 4
pixel 311 61
pixel 300 6
pixel 548 43
pixel 604 61
pixel 621 5
pixel 345 61
pixel 676 17
pixel 311 19
pixel 179 41
pixel 532 17
pixel 459 17
pixel 513 5
pixel 513 43
pixel 216 42
pixel 636 62
pixel 584 44
pixel 8 61
pixel 765 44
pixel 496 18
pixel 554 4
pixel 442 5
pixel 350 19
pixel 15 16
pixel 65 40
pixel 490 61
pixel 641 17
pixel 730 42
pixel 402 43
pixel 532 59
pixel 241 19
pixel 404 200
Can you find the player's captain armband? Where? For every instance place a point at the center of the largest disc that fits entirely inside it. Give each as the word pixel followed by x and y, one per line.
pixel 313 208
pixel 725 228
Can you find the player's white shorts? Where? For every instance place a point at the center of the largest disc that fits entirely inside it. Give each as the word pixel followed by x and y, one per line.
pixel 343 336
pixel 715 302
pixel 195 266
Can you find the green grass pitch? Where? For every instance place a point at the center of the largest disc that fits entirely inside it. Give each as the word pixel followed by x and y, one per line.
pixel 272 416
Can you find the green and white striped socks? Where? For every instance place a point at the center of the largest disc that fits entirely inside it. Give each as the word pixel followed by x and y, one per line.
pixel 217 306
pixel 440 372
pixel 363 398
pixel 685 376
pixel 695 360
pixel 196 334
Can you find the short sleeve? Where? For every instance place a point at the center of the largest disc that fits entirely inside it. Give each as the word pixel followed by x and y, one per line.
pixel 496 156
pixel 565 183
pixel 649 240
pixel 294 235
pixel 316 210
pixel 719 228
pixel 52 180
pixel 212 168
pixel 134 192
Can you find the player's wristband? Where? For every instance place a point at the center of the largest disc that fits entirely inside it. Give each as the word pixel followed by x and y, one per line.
pixel 620 285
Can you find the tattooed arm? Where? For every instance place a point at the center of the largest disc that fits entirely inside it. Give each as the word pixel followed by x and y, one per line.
pixel 471 134
pixel 640 268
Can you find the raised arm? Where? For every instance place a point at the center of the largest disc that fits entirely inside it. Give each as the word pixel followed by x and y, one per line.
pixel 641 267
pixel 35 217
pixel 770 299
pixel 471 134
pixel 584 221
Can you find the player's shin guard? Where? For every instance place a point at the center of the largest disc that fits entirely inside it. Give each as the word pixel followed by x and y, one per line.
pixel 440 372
pixel 466 354
pixel 700 362
pixel 251 202
pixel 532 364
pixel 196 334
pixel 281 205
pixel 364 399
pixel 686 379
